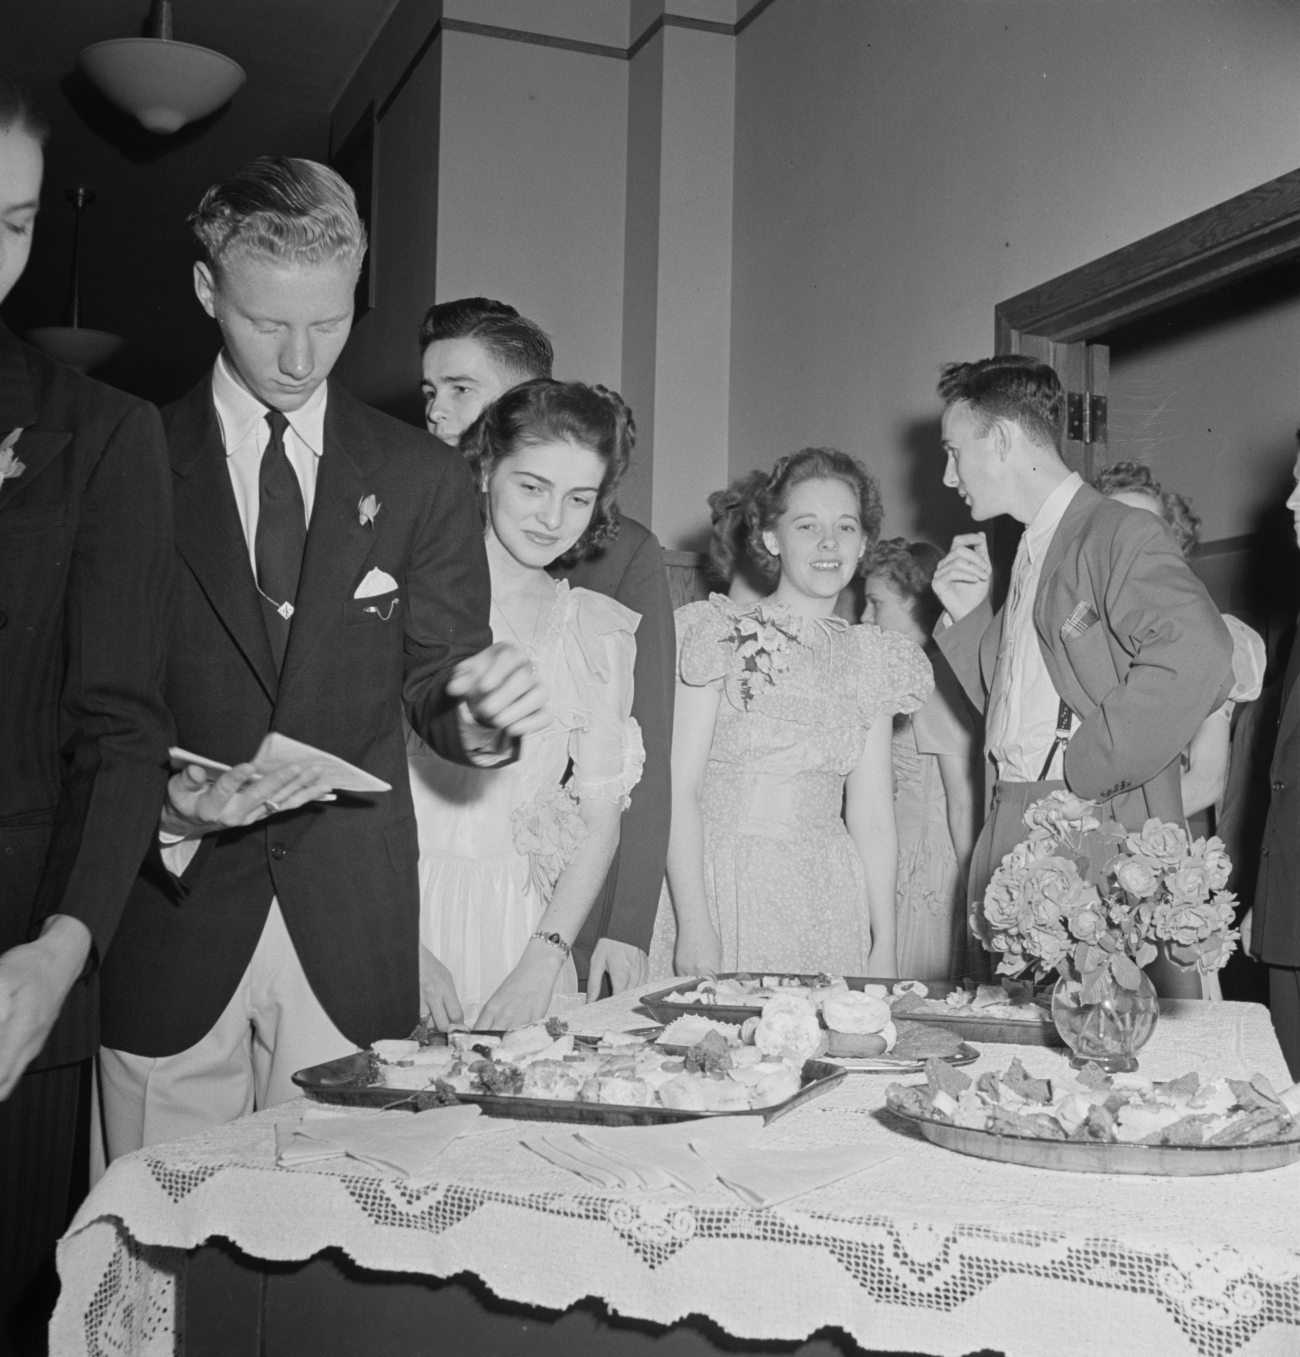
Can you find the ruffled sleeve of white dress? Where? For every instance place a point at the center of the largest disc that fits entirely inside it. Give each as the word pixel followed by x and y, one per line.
pixel 604 739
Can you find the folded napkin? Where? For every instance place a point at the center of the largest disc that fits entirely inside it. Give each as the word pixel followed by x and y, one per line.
pixel 402 1143
pixel 763 1176
pixel 645 1158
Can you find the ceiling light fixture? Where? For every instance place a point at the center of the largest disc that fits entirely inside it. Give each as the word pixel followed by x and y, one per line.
pixel 73 343
pixel 164 83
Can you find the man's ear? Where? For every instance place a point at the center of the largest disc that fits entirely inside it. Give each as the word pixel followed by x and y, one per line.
pixel 205 288
pixel 1000 434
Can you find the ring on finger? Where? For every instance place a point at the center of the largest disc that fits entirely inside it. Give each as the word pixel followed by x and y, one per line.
pixel 271 806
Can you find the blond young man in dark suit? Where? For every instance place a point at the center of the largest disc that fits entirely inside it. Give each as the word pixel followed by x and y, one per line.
pixel 330 578
pixel 1108 654
pixel 472 351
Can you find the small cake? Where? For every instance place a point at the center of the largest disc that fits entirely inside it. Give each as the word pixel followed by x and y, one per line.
pixel 789 1027
pixel 858 1025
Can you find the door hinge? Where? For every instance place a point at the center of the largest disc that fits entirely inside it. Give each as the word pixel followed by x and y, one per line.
pixel 1085 417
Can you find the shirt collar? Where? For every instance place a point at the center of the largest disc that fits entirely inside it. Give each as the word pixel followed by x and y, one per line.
pixel 240 412
pixel 1045 522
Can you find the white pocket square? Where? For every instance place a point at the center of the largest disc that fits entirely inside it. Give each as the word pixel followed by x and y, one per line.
pixel 377 582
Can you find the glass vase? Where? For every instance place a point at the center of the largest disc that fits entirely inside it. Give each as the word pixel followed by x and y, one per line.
pixel 1109 1032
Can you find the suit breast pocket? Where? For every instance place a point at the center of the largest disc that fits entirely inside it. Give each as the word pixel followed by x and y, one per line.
pixel 377 610
pixel 1090 658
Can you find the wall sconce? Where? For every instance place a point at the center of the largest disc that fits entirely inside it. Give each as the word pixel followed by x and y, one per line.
pixel 72 343
pixel 163 83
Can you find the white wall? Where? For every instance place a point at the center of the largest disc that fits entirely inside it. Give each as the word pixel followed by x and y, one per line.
pixel 531 192
pixel 902 167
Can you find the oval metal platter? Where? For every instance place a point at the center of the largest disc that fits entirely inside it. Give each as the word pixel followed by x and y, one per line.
pixel 970 1027
pixel 1089 1156
pixel 336 1082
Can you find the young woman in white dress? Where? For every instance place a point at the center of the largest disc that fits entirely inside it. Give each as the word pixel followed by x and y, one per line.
pixel 512 857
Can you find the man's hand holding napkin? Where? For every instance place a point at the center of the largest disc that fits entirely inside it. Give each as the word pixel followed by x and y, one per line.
pixel 196 804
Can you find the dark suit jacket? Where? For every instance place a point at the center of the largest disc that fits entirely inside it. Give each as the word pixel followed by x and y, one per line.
pixel 1275 928
pixel 1141 679
pixel 345 872
pixel 85 565
pixel 631 570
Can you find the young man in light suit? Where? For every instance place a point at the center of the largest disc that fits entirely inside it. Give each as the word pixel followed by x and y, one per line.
pixel 472 350
pixel 331 576
pixel 1108 653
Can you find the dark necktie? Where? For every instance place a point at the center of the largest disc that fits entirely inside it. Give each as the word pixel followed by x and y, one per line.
pixel 281 535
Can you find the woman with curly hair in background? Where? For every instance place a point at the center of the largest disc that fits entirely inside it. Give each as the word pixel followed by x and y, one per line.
pixel 935 764
pixel 783 719
pixel 512 857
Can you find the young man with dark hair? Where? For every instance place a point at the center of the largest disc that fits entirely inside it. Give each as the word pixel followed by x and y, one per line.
pixel 472 350
pixel 1108 653
pixel 331 576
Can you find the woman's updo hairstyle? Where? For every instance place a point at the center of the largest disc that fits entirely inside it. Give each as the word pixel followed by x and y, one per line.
pixel 908 568
pixel 769 502
pixel 1136 478
pixel 547 411
pixel 729 541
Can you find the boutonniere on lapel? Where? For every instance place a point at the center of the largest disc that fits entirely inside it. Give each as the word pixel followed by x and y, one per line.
pixel 10 467
pixel 367 508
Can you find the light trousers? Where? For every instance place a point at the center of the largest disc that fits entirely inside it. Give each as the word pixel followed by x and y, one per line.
pixel 273 1026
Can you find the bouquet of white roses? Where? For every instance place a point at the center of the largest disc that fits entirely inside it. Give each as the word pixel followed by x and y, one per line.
pixel 1062 900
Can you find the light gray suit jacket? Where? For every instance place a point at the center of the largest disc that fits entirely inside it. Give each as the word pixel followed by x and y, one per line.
pixel 1147 659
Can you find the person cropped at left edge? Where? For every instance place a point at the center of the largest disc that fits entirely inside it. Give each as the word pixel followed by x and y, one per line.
pixel 85 561
pixel 331 575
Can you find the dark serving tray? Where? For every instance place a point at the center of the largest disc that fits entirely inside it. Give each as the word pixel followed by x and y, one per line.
pixel 332 1082
pixel 1001 1031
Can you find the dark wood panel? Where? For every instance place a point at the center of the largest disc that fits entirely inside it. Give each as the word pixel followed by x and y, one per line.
pixel 687 580
pixel 1225 242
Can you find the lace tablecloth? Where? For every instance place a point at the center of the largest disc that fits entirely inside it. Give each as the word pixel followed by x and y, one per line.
pixel 927 1252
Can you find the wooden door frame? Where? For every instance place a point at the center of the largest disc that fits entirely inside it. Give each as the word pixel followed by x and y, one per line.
pixel 1252 231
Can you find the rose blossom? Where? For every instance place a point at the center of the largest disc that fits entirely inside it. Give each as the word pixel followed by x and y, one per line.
pixel 1087 925
pixel 1167 843
pixel 1063 810
pixel 1189 882
pixel 1055 881
pixel 1181 922
pixel 1000 903
pixel 1212 854
pixel 1139 876
pixel 1215 951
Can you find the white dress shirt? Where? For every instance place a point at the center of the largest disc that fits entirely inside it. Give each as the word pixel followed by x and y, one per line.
pixel 245 433
pixel 1024 703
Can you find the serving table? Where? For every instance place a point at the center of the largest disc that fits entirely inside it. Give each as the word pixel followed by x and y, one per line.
pixel 927 1252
